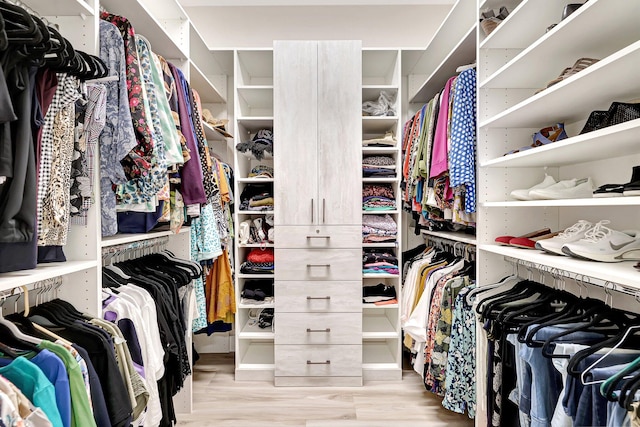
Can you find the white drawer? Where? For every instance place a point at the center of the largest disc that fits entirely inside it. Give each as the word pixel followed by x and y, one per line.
pixel 318 237
pixel 318 297
pixel 318 360
pixel 318 264
pixel 318 328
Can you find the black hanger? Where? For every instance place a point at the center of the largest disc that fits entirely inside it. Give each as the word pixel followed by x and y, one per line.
pixel 8 351
pixel 18 24
pixel 4 40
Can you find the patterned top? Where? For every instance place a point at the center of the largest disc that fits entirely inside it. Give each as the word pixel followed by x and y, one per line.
pixel 460 380
pixel 462 152
pixel 139 159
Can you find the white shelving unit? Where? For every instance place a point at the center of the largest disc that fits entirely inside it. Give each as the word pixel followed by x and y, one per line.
pixel 381 70
pixel 452 235
pixel 513 65
pixel 453 44
pixel 253 111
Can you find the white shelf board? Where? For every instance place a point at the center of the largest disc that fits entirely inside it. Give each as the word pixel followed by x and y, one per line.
pixel 254 124
pixel 452 235
pixel 60 8
pixel 257 97
pixel 254 332
pixel 378 124
pixel 145 24
pixel 256 276
pixel 622 273
pixel 390 212
pixel 599 201
pixel 379 150
pixel 43 272
pixel 463 53
pixel 380 276
pixel 257 245
pixel 370 180
pixel 371 306
pixel 379 64
pixel 252 306
pixel 564 40
pixel 526 23
pixel 209 93
pixel 259 355
pixel 378 326
pixel 372 92
pixel 211 134
pixel 380 245
pixel 574 98
pixel 255 212
pixel 377 353
pixel 121 239
pixel 613 141
pixel 255 180
pixel 258 64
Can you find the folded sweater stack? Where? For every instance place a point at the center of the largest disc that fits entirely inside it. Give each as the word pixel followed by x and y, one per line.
pixel 378 197
pixel 378 228
pixel 378 167
pixel 377 261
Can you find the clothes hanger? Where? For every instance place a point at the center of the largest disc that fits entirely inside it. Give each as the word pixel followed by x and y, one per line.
pixel 609 386
pixel 12 328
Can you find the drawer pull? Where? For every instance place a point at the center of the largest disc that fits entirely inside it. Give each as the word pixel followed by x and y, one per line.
pixel 319 237
pixel 319 265
pixel 318 330
pixel 326 362
pixel 310 297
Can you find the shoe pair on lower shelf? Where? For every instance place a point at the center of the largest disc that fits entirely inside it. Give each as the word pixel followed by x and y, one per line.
pixel 631 188
pixel 584 240
pixel 550 189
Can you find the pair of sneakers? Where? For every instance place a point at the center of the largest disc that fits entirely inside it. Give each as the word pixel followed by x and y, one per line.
pixel 550 189
pixel 594 242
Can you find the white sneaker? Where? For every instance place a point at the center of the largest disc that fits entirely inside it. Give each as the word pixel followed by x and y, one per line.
pixel 572 234
pixel 606 245
pixel 524 193
pixel 568 189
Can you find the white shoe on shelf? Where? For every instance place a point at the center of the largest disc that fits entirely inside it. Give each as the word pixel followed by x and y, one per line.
pixel 567 189
pixel 606 245
pixel 523 194
pixel 569 235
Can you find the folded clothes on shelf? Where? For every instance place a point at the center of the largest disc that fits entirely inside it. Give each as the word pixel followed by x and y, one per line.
pixel 378 293
pixel 378 228
pixel 378 166
pixel 378 197
pixel 389 140
pixel 376 261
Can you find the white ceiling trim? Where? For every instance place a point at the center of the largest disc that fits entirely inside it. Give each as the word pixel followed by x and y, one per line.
pixel 193 3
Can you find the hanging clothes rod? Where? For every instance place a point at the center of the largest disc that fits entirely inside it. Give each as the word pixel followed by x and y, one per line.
pixel 134 249
pixel 560 276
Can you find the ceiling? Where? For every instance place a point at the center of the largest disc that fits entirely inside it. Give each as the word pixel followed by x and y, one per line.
pixel 193 3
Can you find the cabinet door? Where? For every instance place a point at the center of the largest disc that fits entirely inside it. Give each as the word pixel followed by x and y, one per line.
pixel 295 98
pixel 340 132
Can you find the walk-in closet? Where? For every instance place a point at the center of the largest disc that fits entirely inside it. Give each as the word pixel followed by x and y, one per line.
pixel 319 213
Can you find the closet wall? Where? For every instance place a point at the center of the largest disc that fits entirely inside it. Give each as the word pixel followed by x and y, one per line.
pixel 514 63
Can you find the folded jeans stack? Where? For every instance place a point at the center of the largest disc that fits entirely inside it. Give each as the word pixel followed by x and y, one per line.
pixel 378 228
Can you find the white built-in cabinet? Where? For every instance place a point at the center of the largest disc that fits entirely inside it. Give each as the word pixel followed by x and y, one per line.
pixel 318 309
pixel 517 59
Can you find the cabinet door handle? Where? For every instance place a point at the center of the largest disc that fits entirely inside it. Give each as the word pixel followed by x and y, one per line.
pixel 311 211
pixel 319 237
pixel 326 362
pixel 323 210
pixel 319 265
pixel 310 297
pixel 318 330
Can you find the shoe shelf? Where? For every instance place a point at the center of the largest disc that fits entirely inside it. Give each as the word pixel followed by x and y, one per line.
pixel 598 201
pixel 496 4
pixel 575 97
pixel 256 245
pixel 568 41
pixel 255 212
pixel 622 273
pixel 249 306
pixel 533 15
pixel 453 44
pixel 618 140
pixel 254 332
pixel 452 235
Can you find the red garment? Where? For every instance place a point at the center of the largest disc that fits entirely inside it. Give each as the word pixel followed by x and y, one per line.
pixel 261 255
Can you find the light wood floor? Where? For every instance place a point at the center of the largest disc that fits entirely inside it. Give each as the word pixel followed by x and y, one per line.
pixel 220 401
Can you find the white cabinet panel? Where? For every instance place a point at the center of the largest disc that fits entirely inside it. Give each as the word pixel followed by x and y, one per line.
pixel 318 264
pixel 318 297
pixel 319 237
pixel 295 130
pixel 318 360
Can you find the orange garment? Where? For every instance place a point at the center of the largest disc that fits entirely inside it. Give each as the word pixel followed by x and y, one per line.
pixel 220 295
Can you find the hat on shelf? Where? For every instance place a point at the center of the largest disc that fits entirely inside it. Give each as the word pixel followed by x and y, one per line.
pixel 261 171
pixel 263 136
pixel 218 124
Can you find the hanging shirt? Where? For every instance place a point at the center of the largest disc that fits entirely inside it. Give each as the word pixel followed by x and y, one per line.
pixel 462 158
pixel 440 153
pixel 117 138
pixel 139 159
